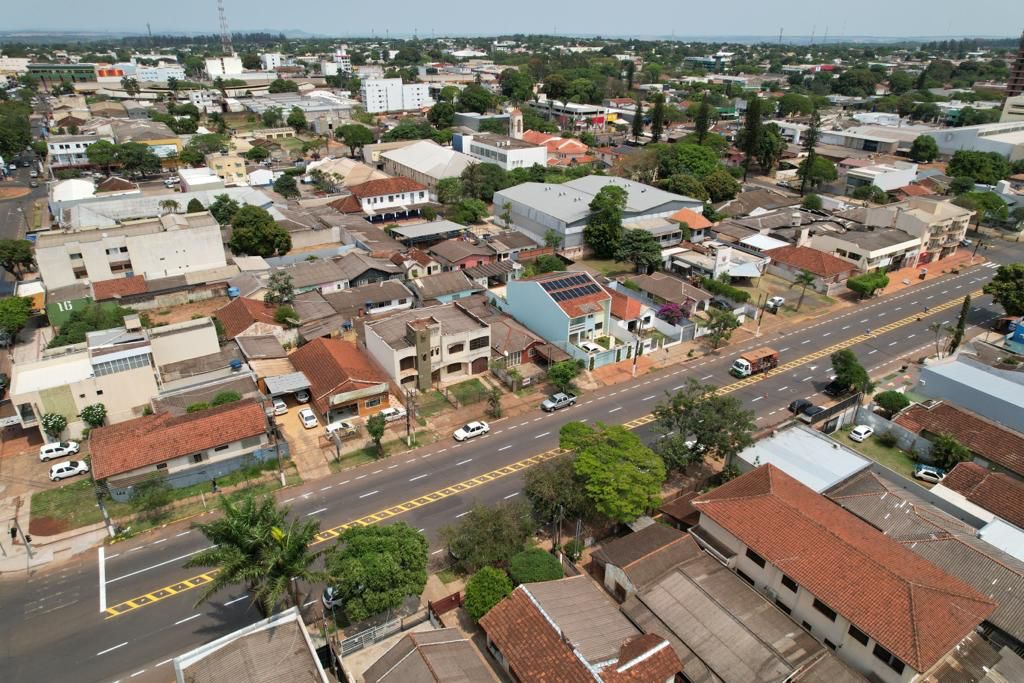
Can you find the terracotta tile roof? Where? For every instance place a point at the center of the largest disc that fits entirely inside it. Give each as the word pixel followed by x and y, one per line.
pixel 805 258
pixel 347 204
pixel 624 307
pixel 154 439
pixel 915 190
pixel 334 367
pixel 115 184
pixel 907 604
pixel 124 286
pixel 384 186
pixel 237 316
pixel 644 659
pixel 998 493
pixel 693 219
pixel 987 439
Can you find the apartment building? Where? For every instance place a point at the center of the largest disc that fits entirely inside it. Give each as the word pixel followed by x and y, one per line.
pixel 424 347
pixel 505 151
pixel 63 151
pixel 391 94
pixel 939 223
pixel 221 67
pixel 229 167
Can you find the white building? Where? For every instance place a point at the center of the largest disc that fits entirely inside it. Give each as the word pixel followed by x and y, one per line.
pixel 390 94
pixel 426 162
pixel 205 100
pixel 342 59
pixel 1013 109
pixel 886 177
pixel 15 65
pixel 69 150
pixel 271 60
pixel 329 68
pixel 507 152
pixel 1005 139
pixel 223 67
pixel 159 73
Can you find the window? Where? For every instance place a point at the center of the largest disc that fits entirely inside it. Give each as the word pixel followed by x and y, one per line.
pixel 372 403
pixel 598 326
pixel 889 658
pixel 453 367
pixel 825 609
pixel 745 577
pixel 99 392
pixel 161 466
pixel 478 343
pixel 198 457
pixel 789 583
pixel 755 558
pixel 829 644
pixel 806 626
pixel 783 607
pixel 222 448
pixel 457 348
pixel 858 635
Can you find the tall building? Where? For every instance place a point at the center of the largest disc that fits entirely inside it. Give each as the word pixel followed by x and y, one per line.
pixel 1015 86
pixel 390 94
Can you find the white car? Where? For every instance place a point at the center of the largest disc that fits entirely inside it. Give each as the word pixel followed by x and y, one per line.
pixel 590 347
pixel 341 428
pixel 471 429
pixel 860 433
pixel 392 414
pixel 302 396
pixel 775 302
pixel 280 407
pixel 57 449
pixel 63 470
pixel 309 420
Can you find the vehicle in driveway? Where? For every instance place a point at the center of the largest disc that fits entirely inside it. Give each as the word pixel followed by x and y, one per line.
pixel 809 412
pixel 775 302
pixel 63 470
pixel 470 430
pixel 58 449
pixel 392 414
pixel 341 428
pixel 280 407
pixel 798 406
pixel 331 599
pixel 860 433
pixel 302 396
pixel 590 347
pixel 308 418
pixel 558 401
pixel 929 473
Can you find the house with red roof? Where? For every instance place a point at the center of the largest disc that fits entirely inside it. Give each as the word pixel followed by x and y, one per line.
pixel 343 380
pixel 180 449
pixel 561 151
pixel 830 272
pixel 995 492
pixel 384 200
pixel 888 612
pixel 245 317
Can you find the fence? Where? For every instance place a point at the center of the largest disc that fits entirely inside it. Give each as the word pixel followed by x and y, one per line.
pixel 380 632
pixel 443 606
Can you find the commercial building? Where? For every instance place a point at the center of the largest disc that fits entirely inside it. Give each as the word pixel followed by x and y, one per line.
pixel 390 94
pixel 939 223
pixel 505 151
pixel 426 162
pixel 1015 84
pixel 1005 139
pixel 572 115
pixel 384 200
pixel 63 73
pixel 271 60
pixel 887 177
pixel 222 67
pixel 150 74
pixel 885 248
pixel 64 151
pixel 1013 109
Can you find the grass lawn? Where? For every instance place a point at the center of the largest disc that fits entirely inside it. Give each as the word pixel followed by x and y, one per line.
pixel 893 458
pixel 607 266
pixel 430 403
pixel 370 454
pixel 776 286
pixel 447 576
pixel 470 391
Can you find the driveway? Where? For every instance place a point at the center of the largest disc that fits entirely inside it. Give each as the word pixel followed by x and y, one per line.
pixel 307 452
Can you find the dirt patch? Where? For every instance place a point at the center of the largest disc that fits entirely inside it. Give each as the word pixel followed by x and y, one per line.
pixel 46 526
pixel 185 312
pixel 13 192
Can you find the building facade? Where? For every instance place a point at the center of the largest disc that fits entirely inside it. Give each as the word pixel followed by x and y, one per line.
pixel 390 94
pixel 505 151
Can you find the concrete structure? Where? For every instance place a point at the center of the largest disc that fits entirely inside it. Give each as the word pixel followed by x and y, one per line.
pixel 1013 109
pixel 63 73
pixel 870 249
pixel 344 381
pixel 158 74
pixel 384 200
pixel 199 179
pixel 390 94
pixel 939 223
pixel 886 177
pixel 173 244
pixel 830 272
pixel 571 115
pixel 997 395
pixel 271 60
pixel 63 151
pixel 440 656
pixel 1005 139
pixel 425 347
pixel 223 67
pixel 1015 84
pixel 809 456
pixel 507 152
pixel 473 120
pixel 426 162
pixel 229 167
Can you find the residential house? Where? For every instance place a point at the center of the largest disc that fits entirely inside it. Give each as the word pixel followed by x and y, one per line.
pixel 381 201
pixel 507 152
pixel 536 208
pixel 512 244
pixel 417 263
pixel 245 317
pixel 661 288
pixel 344 381
pixel 694 221
pixel 494 274
pixel 372 299
pixel 158 136
pixel 424 347
pixel 721 628
pixel 993 394
pixel 459 253
pixel 444 288
pixel 441 656
pixel 830 272
pixel 885 248
pixel 426 162
pixel 63 151
pixel 850 586
pixel 713 259
pixel 995 492
pixel 569 631
pixel 561 151
pixel 939 223
pixel 512 344
pixel 182 450
pixel 229 167
pixel 755 202
pixel 358 269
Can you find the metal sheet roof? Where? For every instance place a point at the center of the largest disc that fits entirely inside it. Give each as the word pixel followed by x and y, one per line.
pixel 287 384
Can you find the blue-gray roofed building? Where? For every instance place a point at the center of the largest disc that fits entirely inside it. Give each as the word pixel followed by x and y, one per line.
pixel 994 394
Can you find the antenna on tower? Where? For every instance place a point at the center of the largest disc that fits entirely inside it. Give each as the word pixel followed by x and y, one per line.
pixel 149 30
pixel 813 29
pixel 225 35
pixel 780 36
pixel 825 39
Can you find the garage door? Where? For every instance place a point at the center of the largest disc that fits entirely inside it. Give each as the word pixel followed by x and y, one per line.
pixel 479 365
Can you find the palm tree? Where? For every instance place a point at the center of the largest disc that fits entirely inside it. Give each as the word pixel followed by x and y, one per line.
pixel 169 205
pixel 288 561
pixel 937 328
pixel 803 280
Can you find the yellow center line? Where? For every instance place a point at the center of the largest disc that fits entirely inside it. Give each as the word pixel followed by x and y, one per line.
pixel 506 470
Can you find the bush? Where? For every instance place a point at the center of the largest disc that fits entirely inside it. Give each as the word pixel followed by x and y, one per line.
pixel 196 407
pixel 225 397
pixel 887 439
pixel 892 402
pixel 722 289
pixel 534 564
pixel 484 590
pixel 573 550
pixel 54 424
pixel 285 315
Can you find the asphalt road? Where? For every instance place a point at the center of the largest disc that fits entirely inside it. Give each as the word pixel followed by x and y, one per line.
pixel 55 619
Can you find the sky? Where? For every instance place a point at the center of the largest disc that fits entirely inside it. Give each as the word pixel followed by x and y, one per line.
pixel 486 17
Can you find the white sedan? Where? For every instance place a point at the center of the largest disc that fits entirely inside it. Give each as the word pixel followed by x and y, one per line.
pixel 468 431
pixel 63 470
pixel 860 433
pixel 308 418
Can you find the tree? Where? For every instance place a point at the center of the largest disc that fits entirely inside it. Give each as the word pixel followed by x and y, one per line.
pixel 16 256
pixel 137 159
pixel 169 205
pixel 272 117
pixel 640 248
pixel 94 414
pixel 698 422
pixel 817 170
pixel 355 136
pixel 286 315
pixel 987 206
pixel 102 153
pixel 494 403
pixel 793 103
pixel 448 93
pixel 282 85
pixel 891 402
pixel 555 491
pixel 630 66
pixel 54 424
pixel 151 495
pixel 720 326
pixel 257 154
pixel 534 564
pixel 987 168
pixel 279 288
pixel 924 149
pixel 475 97
pixel 373 569
pixel 770 147
pixel 516 84
pixel 637 125
pixel 749 137
pixel 286 186
pixel 562 374
pixel 14 314
pixel 88 318
pixel 130 86
pixel 686 185
pixel 297 119
pixel 375 427
pixel 961 326
pixel 947 451
pixel 720 185
pixel 484 590
pixel 488 535
pixel 658 117
pixel 604 226
pixel 194 206
pixel 810 141
pixel 961 185
pixel 468 211
pixel 449 191
pixel 552 239
pixel 1007 288
pixel 224 208
pixel 621 476
pixel 672 313
pixel 481 181
pixel 812 202
pixel 849 372
pixel 702 121
pixel 803 280
pixel 442 114
pixel 255 233
pixel 866 284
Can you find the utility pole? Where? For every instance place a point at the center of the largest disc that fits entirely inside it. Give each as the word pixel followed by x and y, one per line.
pixel 760 313
pixel 410 408
pixel 27 540
pixel 639 343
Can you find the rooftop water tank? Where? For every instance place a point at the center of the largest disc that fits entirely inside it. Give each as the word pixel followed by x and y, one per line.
pixel 234 292
pixel 235 364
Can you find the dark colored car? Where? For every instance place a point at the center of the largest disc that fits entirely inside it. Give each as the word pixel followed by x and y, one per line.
pixel 809 412
pixel 800 405
pixel 835 389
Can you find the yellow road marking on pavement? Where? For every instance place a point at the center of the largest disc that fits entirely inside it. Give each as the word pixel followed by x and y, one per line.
pixel 504 471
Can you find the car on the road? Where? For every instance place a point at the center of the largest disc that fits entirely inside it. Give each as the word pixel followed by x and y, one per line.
pixel 33 174
pixel 775 302
pixel 590 347
pixel 471 429
pixel 392 414
pixel 558 401
pixel 835 389
pixel 63 470
pixel 33 183
pixel 58 449
pixel 798 406
pixel 341 428
pixel 13 167
pixel 308 418
pixel 280 407
pixel 929 473
pixel 26 164
pixel 860 433
pixel 302 396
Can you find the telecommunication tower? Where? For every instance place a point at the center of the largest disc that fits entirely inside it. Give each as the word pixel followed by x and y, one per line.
pixel 225 34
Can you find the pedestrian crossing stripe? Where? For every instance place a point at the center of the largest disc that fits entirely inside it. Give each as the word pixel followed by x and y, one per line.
pixel 394 511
